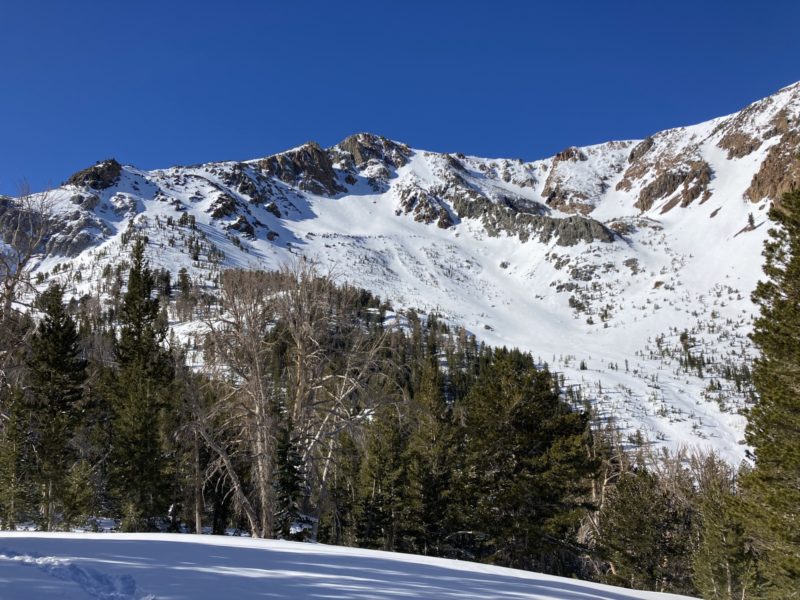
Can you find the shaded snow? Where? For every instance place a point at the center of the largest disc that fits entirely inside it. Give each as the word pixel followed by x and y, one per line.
pixel 176 567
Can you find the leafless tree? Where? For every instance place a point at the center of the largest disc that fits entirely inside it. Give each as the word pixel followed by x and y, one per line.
pixel 25 223
pixel 240 427
pixel 319 381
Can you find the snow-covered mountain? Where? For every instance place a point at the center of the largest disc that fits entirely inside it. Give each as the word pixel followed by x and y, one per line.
pixel 626 266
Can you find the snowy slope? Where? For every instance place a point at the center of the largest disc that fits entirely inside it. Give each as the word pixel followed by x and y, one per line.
pixel 160 566
pixel 625 256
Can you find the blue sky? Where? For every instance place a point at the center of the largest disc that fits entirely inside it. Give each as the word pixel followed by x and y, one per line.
pixel 176 82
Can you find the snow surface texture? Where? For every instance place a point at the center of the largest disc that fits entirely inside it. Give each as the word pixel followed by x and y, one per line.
pixel 160 566
pixel 417 228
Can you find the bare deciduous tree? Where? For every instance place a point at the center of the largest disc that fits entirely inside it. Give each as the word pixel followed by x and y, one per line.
pixel 25 223
pixel 286 347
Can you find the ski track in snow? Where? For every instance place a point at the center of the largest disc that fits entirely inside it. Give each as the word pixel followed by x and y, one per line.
pixel 95 583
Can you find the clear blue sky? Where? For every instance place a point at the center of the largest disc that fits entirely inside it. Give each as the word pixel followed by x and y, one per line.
pixel 177 82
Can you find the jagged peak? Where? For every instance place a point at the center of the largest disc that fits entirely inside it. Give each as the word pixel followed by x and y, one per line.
pixel 365 146
pixel 308 166
pixel 99 176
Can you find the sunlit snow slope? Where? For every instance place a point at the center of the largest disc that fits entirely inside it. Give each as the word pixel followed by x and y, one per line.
pixel 175 567
pixel 635 259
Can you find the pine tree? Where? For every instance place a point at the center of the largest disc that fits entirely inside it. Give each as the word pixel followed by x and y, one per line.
pixel 16 460
pixel 338 524
pixel 431 462
pixel 288 484
pixel 57 373
pixel 772 489
pixel 384 484
pixel 527 464
pixel 78 497
pixel 645 535
pixel 138 466
pixel 723 566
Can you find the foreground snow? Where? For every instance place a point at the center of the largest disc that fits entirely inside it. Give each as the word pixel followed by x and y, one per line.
pixel 160 566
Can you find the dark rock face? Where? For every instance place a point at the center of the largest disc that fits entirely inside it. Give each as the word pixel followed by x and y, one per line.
pixel 242 225
pixel 570 154
pixel 85 201
pixel 308 167
pixel 67 235
pixel 570 231
pixel 10 217
pixel 364 147
pixel 238 179
pixel 497 219
pixel 99 177
pixel 567 201
pixel 695 177
pixel 223 206
pixel 641 149
pixel 426 207
pixel 74 237
pixel 780 171
pixel 739 144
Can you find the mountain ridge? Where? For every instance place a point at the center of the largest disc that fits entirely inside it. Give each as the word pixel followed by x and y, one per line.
pixel 639 253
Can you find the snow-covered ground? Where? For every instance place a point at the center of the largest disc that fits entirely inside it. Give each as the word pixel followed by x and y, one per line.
pixel 63 566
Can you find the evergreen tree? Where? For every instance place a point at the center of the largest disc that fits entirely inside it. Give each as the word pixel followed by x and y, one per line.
pixel 78 496
pixel 385 509
pixel 645 534
pixel 138 464
pixel 16 460
pixel 772 489
pixel 431 462
pixel 339 523
pixel 527 467
pixel 289 485
pixel 723 566
pixel 57 373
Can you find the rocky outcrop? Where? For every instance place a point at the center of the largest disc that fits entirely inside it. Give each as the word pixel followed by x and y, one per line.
pixel 243 226
pixel 308 167
pixel 74 234
pixel 694 176
pixel 425 207
pixel 223 206
pixel 99 177
pixel 497 219
pixel 363 147
pixel 780 171
pixel 575 184
pixel 641 149
pixel 273 208
pixel 85 201
pixel 67 234
pixel 238 179
pixel 565 200
pixel 739 144
pixel 571 154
